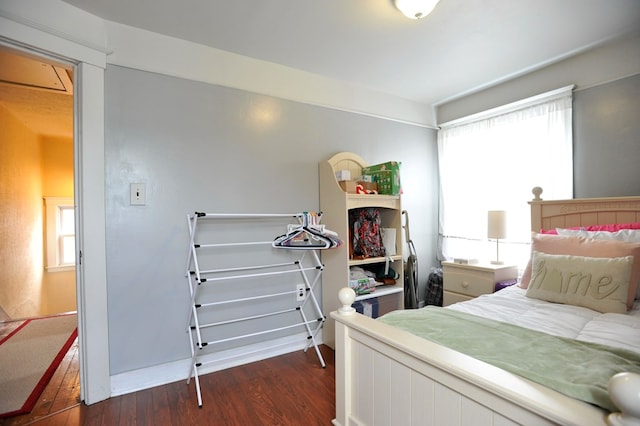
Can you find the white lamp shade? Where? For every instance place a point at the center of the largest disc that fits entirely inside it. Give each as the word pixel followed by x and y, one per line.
pixel 416 9
pixel 497 224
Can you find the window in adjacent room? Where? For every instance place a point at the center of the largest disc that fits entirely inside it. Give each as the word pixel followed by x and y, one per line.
pixel 60 234
pixel 491 161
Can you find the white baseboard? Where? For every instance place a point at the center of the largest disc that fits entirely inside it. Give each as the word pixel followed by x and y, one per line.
pixel 157 375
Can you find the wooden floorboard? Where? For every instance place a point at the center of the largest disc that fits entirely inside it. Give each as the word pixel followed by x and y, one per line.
pixel 291 389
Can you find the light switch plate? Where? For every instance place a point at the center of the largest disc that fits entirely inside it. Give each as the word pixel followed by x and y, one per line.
pixel 138 194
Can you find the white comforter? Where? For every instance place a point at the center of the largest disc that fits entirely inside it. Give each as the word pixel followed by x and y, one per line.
pixel 512 305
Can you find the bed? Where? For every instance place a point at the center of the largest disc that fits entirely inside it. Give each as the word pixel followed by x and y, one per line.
pixel 388 376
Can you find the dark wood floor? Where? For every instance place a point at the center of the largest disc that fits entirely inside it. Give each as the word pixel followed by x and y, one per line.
pixel 291 389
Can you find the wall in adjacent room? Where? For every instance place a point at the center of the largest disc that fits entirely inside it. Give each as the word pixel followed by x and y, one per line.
pixel 21 227
pixel 59 287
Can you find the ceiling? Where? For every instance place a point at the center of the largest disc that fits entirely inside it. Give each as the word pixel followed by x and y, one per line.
pixel 462 47
pixel 37 93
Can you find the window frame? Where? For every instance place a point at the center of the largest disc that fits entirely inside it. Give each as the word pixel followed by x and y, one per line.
pixel 54 235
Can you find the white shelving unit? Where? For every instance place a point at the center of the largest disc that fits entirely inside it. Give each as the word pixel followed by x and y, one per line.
pixel 336 205
pixel 241 288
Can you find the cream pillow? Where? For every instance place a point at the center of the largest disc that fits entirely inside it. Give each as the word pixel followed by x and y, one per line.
pixel 578 246
pixel 601 284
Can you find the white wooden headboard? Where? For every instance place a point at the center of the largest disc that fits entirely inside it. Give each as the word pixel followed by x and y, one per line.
pixel 582 212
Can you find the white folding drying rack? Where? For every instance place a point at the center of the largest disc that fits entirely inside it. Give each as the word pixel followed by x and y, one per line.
pixel 309 269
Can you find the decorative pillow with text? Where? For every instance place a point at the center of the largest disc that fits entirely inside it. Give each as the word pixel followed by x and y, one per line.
pixel 597 283
pixel 579 246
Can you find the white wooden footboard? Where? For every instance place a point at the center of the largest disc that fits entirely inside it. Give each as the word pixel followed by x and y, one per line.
pixel 386 376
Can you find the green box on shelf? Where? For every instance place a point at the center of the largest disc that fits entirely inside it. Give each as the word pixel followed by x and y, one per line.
pixel 387 176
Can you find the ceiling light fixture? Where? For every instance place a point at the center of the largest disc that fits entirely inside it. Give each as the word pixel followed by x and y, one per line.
pixel 415 9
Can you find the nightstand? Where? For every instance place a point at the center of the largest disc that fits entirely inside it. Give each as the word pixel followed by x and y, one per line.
pixel 466 281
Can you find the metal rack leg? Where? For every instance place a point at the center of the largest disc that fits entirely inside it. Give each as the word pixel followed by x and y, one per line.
pixel 311 335
pixel 315 345
pixel 197 381
pixel 309 287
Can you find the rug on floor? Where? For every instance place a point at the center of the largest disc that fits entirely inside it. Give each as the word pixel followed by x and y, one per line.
pixel 28 358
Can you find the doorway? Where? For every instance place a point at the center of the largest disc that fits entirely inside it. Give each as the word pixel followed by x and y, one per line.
pixel 40 32
pixel 37 176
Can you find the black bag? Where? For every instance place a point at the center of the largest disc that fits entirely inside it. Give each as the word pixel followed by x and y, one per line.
pixel 367 233
pixel 434 291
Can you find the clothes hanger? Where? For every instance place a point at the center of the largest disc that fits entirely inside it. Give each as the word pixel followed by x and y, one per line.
pixel 300 237
pixel 313 227
pixel 309 235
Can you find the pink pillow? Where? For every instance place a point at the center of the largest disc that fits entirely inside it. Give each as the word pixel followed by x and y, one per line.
pixel 553 231
pixel 579 246
pixel 613 227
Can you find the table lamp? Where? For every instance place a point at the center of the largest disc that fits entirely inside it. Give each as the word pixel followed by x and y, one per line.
pixel 497 229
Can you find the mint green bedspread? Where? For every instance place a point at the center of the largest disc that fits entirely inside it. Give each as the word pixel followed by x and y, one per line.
pixel 580 370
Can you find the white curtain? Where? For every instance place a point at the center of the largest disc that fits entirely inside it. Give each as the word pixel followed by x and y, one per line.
pixel 491 162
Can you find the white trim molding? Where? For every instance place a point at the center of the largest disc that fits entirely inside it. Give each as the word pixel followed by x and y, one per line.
pixel 148 51
pixel 157 375
pixel 52 207
pixel 513 106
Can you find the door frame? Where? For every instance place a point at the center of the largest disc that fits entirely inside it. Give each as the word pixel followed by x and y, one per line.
pixel 89 62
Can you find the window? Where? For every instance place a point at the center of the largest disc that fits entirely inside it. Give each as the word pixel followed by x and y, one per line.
pixel 491 161
pixel 61 234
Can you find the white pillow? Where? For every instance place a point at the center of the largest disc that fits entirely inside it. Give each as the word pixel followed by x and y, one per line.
pixel 631 235
pixel 598 283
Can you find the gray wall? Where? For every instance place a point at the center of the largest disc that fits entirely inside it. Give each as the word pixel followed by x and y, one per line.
pixel 210 148
pixel 616 59
pixel 606 132
pixel 606 113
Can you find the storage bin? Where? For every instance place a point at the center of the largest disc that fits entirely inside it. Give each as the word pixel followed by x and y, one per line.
pixel 378 306
pixel 368 307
